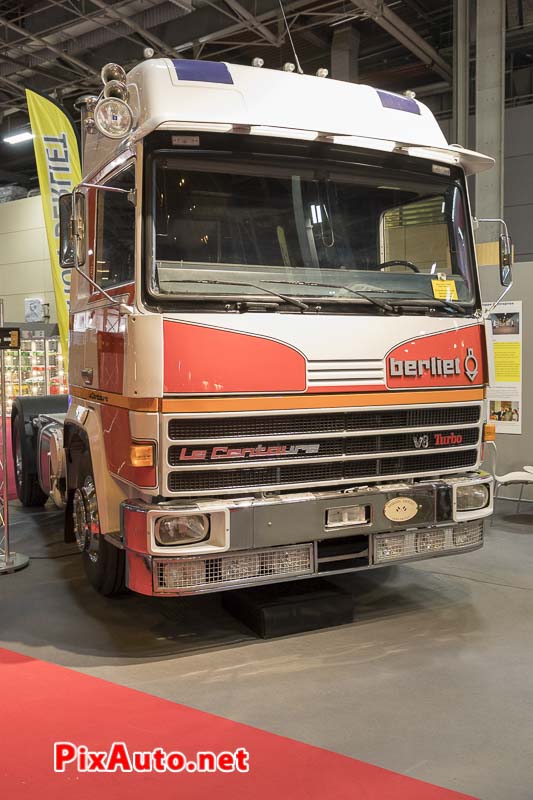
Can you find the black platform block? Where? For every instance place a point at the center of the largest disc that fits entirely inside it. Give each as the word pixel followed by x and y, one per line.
pixel 285 608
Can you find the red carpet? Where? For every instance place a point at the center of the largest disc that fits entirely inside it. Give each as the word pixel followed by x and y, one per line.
pixel 11 474
pixel 43 703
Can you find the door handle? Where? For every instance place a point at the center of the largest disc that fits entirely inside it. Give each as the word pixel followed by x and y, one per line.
pixel 87 375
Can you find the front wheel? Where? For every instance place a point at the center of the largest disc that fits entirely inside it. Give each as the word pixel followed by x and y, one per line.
pixel 104 563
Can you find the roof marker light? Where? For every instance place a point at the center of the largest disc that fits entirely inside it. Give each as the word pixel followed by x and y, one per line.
pixel 322 72
pixel 288 67
pixel 258 62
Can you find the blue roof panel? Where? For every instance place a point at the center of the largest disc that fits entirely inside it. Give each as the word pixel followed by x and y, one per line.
pixel 398 102
pixel 204 71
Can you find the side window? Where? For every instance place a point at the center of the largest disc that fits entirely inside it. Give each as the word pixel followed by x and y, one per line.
pixel 115 233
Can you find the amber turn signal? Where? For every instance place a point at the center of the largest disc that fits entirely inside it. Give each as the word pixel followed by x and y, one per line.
pixel 142 455
pixel 489 432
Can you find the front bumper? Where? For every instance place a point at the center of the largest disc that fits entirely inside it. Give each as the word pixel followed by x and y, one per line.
pixel 273 538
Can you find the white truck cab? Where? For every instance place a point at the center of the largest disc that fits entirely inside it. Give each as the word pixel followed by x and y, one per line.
pixel 277 361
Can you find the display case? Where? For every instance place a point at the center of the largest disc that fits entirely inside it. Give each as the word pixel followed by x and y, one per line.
pixel 38 367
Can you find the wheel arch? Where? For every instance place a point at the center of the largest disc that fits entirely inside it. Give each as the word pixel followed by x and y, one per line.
pixel 84 435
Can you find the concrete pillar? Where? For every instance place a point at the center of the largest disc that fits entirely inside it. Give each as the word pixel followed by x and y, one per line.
pixel 461 71
pixel 490 107
pixel 345 53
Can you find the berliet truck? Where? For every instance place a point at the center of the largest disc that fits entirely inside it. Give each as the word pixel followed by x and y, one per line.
pixel 277 362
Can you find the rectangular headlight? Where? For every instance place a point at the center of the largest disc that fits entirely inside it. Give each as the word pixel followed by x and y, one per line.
pixel 344 516
pixel 184 529
pixel 473 497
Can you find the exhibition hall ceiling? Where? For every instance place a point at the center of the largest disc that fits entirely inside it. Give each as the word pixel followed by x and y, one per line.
pixel 59 46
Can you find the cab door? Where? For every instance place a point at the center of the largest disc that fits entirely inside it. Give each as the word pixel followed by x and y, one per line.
pixel 112 267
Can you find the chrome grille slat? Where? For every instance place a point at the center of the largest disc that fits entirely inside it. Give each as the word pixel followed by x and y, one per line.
pixel 345 372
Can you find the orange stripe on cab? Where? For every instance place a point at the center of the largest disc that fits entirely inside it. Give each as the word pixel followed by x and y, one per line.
pixel 195 405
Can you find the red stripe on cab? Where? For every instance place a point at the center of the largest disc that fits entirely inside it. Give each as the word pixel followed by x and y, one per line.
pixel 199 359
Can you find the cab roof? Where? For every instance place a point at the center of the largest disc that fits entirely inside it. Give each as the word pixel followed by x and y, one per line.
pixel 208 95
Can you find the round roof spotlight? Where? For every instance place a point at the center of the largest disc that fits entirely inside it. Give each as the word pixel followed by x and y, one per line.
pixel 148 52
pixel 288 67
pixel 116 89
pixel 322 72
pixel 410 94
pixel 258 62
pixel 113 72
pixel 113 117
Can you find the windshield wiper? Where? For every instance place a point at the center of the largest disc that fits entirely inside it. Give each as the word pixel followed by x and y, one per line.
pixel 385 306
pixel 292 300
pixel 438 301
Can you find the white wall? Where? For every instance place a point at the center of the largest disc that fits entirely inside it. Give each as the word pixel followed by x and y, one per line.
pixel 24 261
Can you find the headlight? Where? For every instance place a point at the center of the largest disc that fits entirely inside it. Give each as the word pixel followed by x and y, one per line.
pixel 182 530
pixel 470 498
pixel 113 117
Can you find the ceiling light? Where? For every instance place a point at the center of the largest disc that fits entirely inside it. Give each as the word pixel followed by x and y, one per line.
pixel 18 137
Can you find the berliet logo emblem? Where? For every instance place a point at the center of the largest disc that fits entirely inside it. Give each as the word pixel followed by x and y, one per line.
pixel 470 365
pixel 437 367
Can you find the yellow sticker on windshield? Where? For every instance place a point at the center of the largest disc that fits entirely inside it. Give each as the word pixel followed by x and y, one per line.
pixel 444 290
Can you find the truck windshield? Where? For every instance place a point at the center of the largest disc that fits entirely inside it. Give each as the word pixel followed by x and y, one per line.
pixel 352 227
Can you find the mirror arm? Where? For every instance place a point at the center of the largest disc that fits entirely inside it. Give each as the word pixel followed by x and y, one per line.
pixel 131 193
pixel 502 222
pixel 500 298
pixel 102 186
pixel 123 307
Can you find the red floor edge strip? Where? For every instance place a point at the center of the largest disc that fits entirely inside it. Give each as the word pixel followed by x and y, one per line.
pixel 43 703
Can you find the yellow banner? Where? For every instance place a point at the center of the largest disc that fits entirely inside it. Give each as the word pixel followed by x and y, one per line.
pixel 58 168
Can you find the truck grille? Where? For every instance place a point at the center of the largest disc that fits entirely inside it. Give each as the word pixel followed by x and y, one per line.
pixel 268 451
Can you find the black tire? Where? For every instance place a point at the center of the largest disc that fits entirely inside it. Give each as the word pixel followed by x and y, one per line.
pixel 29 491
pixel 104 563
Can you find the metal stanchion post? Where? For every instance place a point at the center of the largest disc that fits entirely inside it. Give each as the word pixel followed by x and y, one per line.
pixel 9 561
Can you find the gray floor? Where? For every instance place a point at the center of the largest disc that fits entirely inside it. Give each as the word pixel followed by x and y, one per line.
pixel 432 678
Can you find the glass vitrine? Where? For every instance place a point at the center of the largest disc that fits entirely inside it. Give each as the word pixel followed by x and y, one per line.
pixel 38 368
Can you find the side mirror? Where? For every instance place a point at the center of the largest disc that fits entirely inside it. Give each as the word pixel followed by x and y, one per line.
pixel 67 244
pixel 71 230
pixel 506 260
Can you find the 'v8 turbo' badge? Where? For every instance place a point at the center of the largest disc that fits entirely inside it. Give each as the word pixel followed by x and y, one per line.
pixel 401 509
